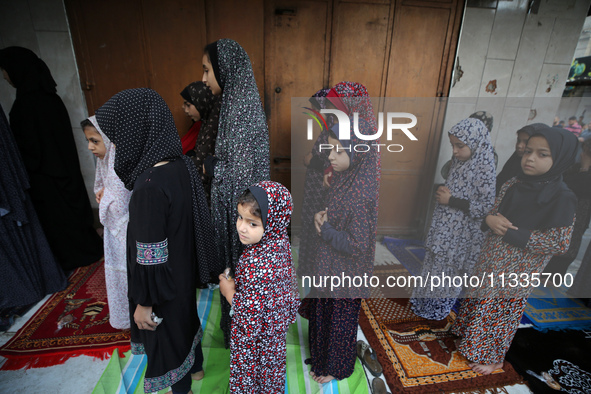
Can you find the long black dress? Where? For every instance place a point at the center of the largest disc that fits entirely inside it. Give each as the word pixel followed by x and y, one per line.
pixel 43 134
pixel 29 270
pixel 160 254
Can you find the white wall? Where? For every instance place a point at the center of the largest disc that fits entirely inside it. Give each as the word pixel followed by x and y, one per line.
pixel 529 57
pixel 41 26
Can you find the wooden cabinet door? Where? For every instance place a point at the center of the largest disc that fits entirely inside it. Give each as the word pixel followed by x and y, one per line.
pixel 295 53
pixel 138 43
pixel 424 38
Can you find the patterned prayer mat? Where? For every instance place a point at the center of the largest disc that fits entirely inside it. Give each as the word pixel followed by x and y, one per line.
pixel 419 355
pixel 552 309
pixel 409 252
pixel 71 323
pixel 126 375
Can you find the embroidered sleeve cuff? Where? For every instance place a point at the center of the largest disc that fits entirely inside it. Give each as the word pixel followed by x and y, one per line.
pixel 152 253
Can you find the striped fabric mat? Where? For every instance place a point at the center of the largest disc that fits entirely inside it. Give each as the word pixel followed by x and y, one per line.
pixel 126 375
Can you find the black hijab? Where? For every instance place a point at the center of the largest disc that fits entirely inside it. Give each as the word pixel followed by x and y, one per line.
pixel 142 128
pixel 513 166
pixel 26 70
pixel 544 201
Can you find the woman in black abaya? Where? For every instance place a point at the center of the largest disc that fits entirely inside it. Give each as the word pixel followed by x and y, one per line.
pixel 43 134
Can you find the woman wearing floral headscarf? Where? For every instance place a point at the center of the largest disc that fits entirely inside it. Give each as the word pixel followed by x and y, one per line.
pixel 347 240
pixel 168 251
pixel 242 148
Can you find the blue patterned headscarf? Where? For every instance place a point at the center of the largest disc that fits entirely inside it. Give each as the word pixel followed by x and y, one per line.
pixel 452 230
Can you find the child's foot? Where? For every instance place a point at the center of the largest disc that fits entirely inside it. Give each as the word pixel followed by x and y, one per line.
pixel 457 342
pixel 485 369
pixel 197 375
pixel 323 379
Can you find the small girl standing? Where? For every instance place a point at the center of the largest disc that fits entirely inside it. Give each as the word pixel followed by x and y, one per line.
pixel 113 199
pixel 346 240
pixel 264 295
pixel 532 219
pixel 454 239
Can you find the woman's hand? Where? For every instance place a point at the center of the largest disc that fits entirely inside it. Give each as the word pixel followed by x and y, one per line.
pixel 99 195
pixel 227 287
pixel 499 224
pixel 143 318
pixel 442 195
pixel 319 219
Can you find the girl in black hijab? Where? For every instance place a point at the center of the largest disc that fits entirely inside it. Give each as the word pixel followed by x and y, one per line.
pixel 199 96
pixel 513 166
pixel 532 220
pixel 43 134
pixel 168 251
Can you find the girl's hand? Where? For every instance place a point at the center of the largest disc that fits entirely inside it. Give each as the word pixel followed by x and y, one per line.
pixel 227 287
pixel 442 195
pixel 499 224
pixel 99 195
pixel 319 219
pixel 326 181
pixel 143 318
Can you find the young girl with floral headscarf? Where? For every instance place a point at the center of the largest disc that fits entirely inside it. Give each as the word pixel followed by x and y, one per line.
pixel 346 240
pixel 454 238
pixel 264 295
pixel 113 199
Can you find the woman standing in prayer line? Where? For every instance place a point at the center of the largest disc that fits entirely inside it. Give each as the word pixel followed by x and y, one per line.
pixel 29 270
pixel 347 232
pixel 455 238
pixel 204 108
pixel 314 198
pixel 532 219
pixel 169 251
pixel 43 134
pixel 241 150
pixel 113 199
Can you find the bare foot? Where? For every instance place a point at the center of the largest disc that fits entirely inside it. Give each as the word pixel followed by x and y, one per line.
pixel 457 342
pixel 197 375
pixel 485 369
pixel 324 379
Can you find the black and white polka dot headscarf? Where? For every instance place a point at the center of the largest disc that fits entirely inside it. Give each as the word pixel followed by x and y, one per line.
pixel 142 128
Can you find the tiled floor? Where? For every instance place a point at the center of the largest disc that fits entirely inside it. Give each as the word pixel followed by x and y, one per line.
pixel 79 375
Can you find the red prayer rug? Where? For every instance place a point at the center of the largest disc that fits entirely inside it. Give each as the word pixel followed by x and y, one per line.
pixel 71 323
pixel 419 355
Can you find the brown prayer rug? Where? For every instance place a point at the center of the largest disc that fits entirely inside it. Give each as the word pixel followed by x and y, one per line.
pixel 419 355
